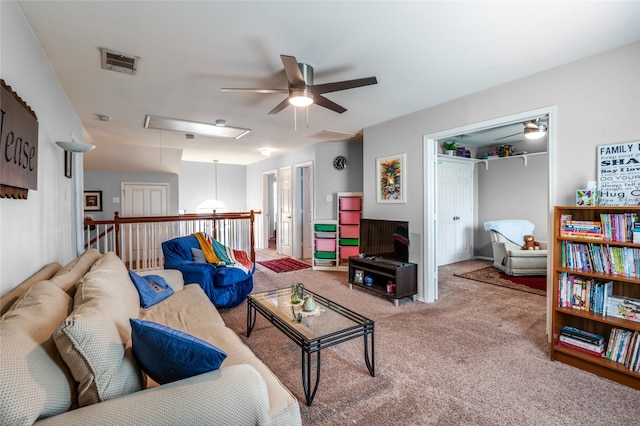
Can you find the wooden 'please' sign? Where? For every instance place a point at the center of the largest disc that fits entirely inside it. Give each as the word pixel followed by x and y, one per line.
pixel 18 146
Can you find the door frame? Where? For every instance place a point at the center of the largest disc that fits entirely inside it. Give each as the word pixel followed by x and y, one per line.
pixel 430 195
pixel 297 245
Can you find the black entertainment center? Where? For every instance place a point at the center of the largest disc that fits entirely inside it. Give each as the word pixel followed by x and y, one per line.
pixel 383 268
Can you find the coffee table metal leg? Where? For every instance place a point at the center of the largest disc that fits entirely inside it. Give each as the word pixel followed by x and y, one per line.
pixel 306 375
pixel 251 318
pixel 371 362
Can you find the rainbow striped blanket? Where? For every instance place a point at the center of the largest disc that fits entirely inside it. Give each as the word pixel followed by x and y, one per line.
pixel 216 252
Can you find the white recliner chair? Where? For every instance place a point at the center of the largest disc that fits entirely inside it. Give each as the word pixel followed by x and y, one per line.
pixel 507 241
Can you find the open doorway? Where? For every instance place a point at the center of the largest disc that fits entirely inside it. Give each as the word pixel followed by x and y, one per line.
pixel 430 249
pixel 270 203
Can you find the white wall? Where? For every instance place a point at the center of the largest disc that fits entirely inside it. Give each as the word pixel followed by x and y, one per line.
pixel 38 230
pixel 198 184
pixel 597 100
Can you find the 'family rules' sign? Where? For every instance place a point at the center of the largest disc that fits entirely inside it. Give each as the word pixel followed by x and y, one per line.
pixel 619 174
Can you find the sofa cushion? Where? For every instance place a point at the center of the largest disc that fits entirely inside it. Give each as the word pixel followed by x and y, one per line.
pixel 34 381
pixel 67 277
pixel 167 355
pixel 95 340
pixel 151 288
pixel 179 310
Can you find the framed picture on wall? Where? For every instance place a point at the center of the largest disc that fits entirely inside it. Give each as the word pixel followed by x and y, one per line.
pixel 93 201
pixel 392 176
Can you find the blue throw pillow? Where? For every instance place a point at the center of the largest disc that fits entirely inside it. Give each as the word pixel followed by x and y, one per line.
pixel 167 355
pixel 151 288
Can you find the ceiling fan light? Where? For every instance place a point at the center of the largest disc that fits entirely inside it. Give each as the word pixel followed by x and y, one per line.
pixel 535 133
pixel 301 98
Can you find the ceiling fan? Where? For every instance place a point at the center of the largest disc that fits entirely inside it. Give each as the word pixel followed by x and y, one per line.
pixel 302 91
pixel 533 130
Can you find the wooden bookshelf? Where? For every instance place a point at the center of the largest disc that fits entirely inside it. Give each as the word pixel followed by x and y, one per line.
pixel 627 285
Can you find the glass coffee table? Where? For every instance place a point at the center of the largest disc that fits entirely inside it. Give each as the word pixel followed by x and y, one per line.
pixel 328 325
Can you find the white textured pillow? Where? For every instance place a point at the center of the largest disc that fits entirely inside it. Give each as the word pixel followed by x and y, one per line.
pixel 34 381
pixel 95 340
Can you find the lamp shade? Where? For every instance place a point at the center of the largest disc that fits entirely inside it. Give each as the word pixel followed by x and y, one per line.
pixel 74 146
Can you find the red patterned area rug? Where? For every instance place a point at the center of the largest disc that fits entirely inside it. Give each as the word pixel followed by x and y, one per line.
pixel 285 264
pixel 491 275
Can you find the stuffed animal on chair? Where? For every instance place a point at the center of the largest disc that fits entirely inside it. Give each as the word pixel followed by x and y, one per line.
pixel 530 243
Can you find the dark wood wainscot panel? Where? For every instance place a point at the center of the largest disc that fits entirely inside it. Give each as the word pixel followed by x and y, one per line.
pixel 18 146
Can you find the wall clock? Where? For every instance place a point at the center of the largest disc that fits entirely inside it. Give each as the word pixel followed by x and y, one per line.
pixel 340 162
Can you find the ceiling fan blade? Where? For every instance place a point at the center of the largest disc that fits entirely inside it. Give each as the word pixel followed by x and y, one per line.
pixel 504 137
pixel 292 70
pixel 238 89
pixel 282 105
pixel 344 85
pixel 324 102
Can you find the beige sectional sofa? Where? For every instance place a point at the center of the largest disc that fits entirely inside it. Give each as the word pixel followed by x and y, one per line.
pixel 66 355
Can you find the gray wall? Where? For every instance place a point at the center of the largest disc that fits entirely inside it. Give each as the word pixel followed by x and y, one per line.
pixel 327 180
pixel 597 103
pixel 509 190
pixel 110 185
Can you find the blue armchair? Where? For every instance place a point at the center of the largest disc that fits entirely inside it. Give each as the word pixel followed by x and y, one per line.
pixel 226 287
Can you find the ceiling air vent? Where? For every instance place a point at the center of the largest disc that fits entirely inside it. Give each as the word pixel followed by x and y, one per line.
pixel 119 62
pixel 337 135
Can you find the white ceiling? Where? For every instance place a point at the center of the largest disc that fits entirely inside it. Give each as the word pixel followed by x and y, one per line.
pixel 422 53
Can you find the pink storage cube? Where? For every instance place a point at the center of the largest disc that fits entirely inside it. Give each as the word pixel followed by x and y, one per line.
pixel 350 218
pixel 349 231
pixel 348 251
pixel 350 203
pixel 325 244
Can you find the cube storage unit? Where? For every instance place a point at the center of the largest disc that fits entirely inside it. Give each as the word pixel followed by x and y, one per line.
pixel 349 214
pixel 325 255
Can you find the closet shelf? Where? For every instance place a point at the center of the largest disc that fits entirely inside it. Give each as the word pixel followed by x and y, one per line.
pixel 487 160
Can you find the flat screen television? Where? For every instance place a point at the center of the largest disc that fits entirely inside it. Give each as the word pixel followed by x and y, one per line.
pixel 388 239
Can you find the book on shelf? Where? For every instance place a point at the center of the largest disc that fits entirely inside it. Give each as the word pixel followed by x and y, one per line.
pixel 623 307
pixel 576 333
pixel 582 229
pixel 618 226
pixel 601 258
pixel 582 293
pixel 635 238
pixel 596 350
pixel 623 347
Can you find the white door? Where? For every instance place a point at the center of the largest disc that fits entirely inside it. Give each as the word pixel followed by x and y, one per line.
pixel 137 249
pixel 144 199
pixel 286 213
pixel 455 211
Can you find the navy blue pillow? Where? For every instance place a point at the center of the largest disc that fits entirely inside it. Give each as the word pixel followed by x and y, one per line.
pixel 151 288
pixel 167 355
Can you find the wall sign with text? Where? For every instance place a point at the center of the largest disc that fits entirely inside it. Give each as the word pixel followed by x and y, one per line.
pixel 619 174
pixel 18 145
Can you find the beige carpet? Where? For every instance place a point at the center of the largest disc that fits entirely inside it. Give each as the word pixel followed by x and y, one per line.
pixel 477 356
